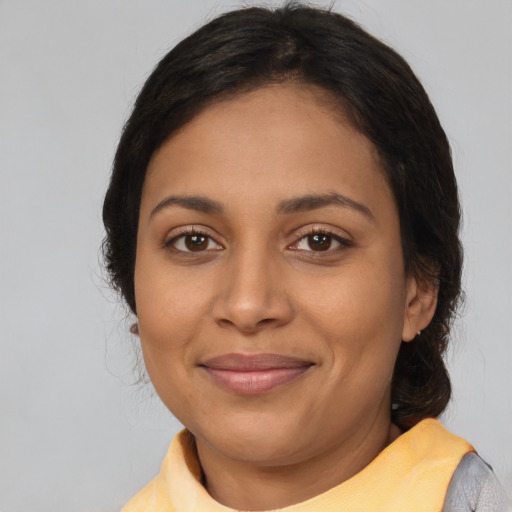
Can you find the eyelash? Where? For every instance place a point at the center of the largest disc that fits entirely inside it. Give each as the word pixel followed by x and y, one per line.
pixel 343 243
pixel 189 232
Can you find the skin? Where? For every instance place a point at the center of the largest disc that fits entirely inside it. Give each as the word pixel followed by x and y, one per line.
pixel 259 284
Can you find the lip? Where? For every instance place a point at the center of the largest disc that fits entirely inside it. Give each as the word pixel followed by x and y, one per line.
pixel 252 374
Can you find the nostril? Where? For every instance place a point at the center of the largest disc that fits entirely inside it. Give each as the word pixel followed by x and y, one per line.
pixel 247 326
pixel 265 321
pixel 224 322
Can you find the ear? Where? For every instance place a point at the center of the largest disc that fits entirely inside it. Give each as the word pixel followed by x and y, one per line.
pixel 420 305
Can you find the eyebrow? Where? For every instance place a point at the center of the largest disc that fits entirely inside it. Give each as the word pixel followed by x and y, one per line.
pixel 288 206
pixel 198 203
pixel 315 201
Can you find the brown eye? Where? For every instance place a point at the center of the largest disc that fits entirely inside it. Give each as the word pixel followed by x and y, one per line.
pixel 319 242
pixel 193 242
pixel 196 243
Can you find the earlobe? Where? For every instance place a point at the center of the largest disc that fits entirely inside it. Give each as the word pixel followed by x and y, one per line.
pixel 420 306
pixel 134 328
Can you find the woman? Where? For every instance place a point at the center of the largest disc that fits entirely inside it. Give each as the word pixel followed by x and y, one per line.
pixel 283 220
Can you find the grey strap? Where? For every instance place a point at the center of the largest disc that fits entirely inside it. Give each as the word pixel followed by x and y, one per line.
pixel 475 488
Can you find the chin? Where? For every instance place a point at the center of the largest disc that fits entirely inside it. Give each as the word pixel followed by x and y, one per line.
pixel 257 440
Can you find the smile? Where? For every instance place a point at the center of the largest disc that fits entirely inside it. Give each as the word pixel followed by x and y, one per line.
pixel 254 374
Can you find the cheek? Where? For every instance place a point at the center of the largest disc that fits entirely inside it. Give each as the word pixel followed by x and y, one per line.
pixel 170 305
pixel 356 300
pixel 359 312
pixel 171 310
pixel 165 327
pixel 167 320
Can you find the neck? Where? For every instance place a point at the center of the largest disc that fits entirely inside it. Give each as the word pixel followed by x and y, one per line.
pixel 246 485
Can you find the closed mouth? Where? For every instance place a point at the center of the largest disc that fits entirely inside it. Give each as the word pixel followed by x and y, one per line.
pixel 254 373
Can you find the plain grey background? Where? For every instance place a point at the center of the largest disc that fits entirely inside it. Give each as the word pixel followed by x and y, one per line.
pixel 75 435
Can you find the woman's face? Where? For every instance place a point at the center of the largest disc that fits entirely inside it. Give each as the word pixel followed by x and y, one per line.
pixel 269 281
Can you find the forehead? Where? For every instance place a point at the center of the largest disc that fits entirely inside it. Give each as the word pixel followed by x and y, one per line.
pixel 265 144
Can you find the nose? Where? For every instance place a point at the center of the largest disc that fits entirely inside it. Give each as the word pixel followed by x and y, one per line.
pixel 252 295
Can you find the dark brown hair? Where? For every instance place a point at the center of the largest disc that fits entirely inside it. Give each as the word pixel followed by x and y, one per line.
pixel 383 99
